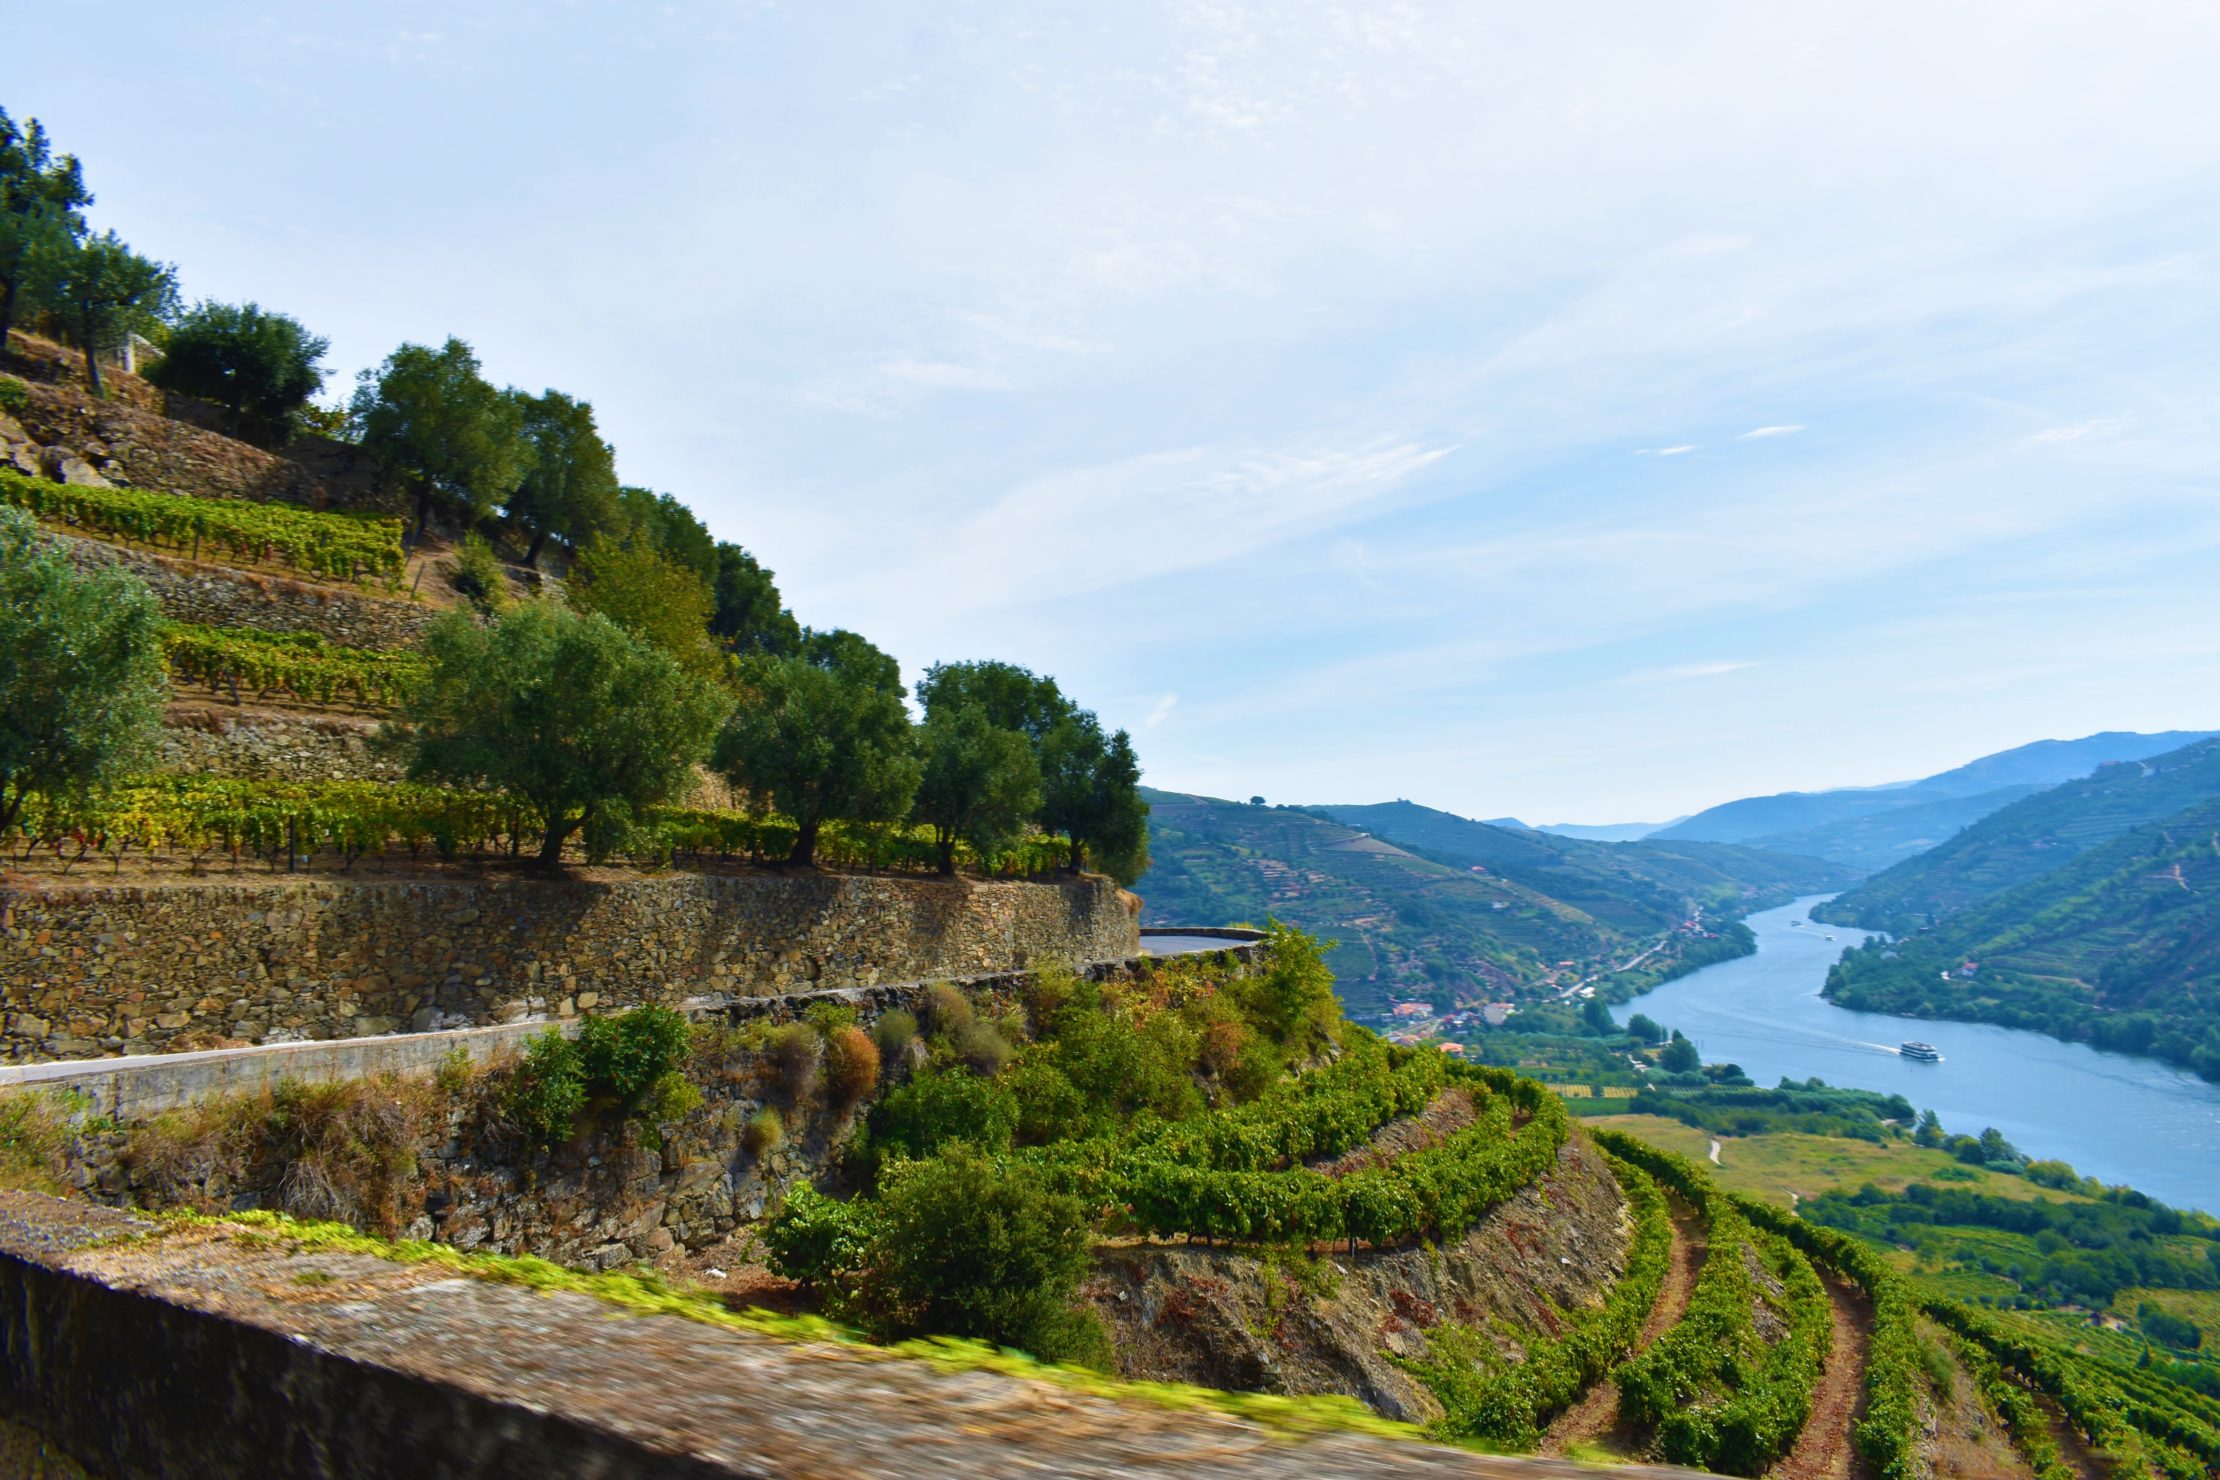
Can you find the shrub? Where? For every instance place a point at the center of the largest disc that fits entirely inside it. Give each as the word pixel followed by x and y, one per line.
pixel 1293 997
pixel 947 1010
pixel 478 576
pixel 628 1054
pixel 851 1064
pixel 814 1238
pixel 547 1091
pixel 796 1053
pixel 968 1246
pixel 982 1048
pixel 763 1133
pixel 894 1032
pixel 14 396
pixel 942 1105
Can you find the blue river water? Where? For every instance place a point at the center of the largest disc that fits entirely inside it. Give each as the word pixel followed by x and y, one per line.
pixel 2115 1117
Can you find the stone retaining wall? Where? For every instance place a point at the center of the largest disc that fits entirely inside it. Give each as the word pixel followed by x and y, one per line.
pixel 93 969
pixel 305 747
pixel 219 596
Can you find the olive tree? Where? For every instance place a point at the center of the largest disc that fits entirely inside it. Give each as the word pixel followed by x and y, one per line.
pixel 1091 793
pixel 40 201
pixel 104 292
pixel 822 736
pixel 260 366
pixel 574 717
pixel 82 680
pixel 570 489
pixel 981 783
pixel 429 414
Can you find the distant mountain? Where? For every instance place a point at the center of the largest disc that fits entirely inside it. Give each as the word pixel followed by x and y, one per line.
pixel 2116 942
pixel 1874 827
pixel 1417 926
pixel 1606 832
pixel 2034 836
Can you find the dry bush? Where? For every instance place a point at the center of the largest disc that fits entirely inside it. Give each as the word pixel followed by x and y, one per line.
pixel 984 1049
pixel 763 1133
pixel 947 1011
pixel 851 1065
pixel 894 1032
pixel 796 1054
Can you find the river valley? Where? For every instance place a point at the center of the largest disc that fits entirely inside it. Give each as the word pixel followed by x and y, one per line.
pixel 2118 1118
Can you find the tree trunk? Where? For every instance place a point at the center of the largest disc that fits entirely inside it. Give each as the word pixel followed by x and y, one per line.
pixel 804 852
pixel 423 507
pixel 7 313
pixel 532 554
pixel 1077 862
pixel 551 847
pixel 948 856
pixel 92 364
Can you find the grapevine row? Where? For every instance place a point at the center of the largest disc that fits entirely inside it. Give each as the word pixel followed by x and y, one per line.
pixel 2023 1420
pixel 347 547
pixel 298 663
pixel 1508 1403
pixel 1716 1393
pixel 1438 1192
pixel 204 817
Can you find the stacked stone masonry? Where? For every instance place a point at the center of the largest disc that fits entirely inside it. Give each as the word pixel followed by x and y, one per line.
pixel 208 741
pixel 91 970
pixel 218 596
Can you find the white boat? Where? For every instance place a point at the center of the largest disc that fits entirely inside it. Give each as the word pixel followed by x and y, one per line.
pixel 1925 1053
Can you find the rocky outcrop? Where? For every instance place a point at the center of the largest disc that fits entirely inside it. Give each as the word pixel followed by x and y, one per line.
pixel 1337 1322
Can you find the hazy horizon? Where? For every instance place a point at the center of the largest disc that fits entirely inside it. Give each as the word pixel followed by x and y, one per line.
pixel 1587 414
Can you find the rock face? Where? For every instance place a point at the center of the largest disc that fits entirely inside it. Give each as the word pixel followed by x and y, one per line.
pixel 208 741
pixel 86 970
pixel 1184 1313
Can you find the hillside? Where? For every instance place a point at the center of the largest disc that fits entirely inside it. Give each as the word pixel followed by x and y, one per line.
pixel 2032 837
pixel 1545 910
pixel 2118 946
pixel 1633 885
pixel 1872 827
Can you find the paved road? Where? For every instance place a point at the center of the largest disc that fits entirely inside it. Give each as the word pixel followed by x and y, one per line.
pixel 1184 945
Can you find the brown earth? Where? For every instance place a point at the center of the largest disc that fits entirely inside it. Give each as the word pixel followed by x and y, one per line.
pixel 1965 1439
pixel 1825 1450
pixel 1594 1420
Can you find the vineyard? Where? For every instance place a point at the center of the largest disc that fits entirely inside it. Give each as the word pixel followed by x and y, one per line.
pixel 344 547
pixel 249 663
pixel 199 822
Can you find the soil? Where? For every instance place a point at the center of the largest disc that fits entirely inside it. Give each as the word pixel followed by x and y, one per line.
pixel 1825 1450
pixel 2072 1448
pixel 1965 1438
pixel 1450 1112
pixel 1593 1422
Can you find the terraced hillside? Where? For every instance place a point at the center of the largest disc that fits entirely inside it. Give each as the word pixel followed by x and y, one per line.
pixel 2035 836
pixel 1423 922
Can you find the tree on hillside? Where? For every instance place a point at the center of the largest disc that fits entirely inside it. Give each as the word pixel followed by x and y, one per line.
pixel 104 292
pixel 1644 1027
pixel 662 522
pixel 574 717
pixel 1011 697
pixel 749 616
pixel 82 681
pixel 649 595
pixel 429 414
pixel 262 367
pixel 41 200
pixel 1091 793
pixel 981 782
pixel 570 489
pixel 822 736
pixel 1680 1056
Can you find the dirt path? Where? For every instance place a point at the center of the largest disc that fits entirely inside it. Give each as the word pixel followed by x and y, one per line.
pixel 1825 1449
pixel 2072 1448
pixel 1596 1415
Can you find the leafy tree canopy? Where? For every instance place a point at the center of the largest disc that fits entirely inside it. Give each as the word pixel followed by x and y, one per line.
pixel 1091 793
pixel 429 414
pixel 41 200
pixel 749 617
pixel 649 595
pixel 570 489
pixel 568 713
pixel 260 366
pixel 1010 697
pixel 981 782
pixel 663 523
pixel 104 292
pixel 82 679
pixel 822 736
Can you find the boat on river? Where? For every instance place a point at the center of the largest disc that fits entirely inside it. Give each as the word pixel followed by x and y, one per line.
pixel 1925 1053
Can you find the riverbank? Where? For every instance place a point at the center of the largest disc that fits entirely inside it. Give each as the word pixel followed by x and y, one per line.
pixel 2115 1117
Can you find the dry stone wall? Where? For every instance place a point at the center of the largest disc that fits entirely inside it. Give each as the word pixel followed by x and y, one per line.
pixel 101 969
pixel 274 747
pixel 219 596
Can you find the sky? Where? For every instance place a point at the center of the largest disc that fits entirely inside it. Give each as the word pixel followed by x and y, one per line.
pixel 1582 412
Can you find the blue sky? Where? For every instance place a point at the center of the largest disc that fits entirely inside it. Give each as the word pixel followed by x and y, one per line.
pixel 1586 412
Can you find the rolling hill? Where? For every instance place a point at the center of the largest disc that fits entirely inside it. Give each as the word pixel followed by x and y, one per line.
pixel 1875 827
pixel 1414 926
pixel 2034 836
pixel 2115 942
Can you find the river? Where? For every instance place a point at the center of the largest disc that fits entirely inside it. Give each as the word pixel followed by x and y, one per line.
pixel 2117 1118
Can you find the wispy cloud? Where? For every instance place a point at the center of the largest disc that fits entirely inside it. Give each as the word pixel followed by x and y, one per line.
pixel 2100 426
pixel 1162 711
pixel 1757 433
pixel 1679 451
pixel 1681 671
